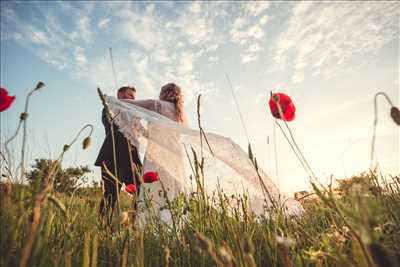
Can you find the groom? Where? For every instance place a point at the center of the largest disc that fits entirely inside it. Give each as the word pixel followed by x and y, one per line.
pixel 126 157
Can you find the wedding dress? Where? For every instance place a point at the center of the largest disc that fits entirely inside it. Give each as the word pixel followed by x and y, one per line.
pixel 168 149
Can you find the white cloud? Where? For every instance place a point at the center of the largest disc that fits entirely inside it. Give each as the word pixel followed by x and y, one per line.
pixel 298 77
pixel 195 7
pixel 212 59
pixel 246 58
pixel 38 37
pixel 246 35
pixel 80 57
pixel 138 27
pixel 165 47
pixel 212 48
pixel 248 30
pixel 180 44
pixel 256 8
pixel 263 20
pixel 255 31
pixel 103 24
pixel 196 24
pixel 186 63
pixel 330 38
pixel 142 68
pixel 161 55
pixel 239 23
pixel 281 86
pixel 85 32
pixel 254 48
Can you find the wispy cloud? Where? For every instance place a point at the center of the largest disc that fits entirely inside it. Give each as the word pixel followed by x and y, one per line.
pixel 84 27
pixel 248 29
pixel 172 39
pixel 103 24
pixel 325 38
pixel 255 8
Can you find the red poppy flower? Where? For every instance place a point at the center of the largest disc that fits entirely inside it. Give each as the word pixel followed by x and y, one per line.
pixel 150 177
pixel 130 188
pixel 286 104
pixel 5 99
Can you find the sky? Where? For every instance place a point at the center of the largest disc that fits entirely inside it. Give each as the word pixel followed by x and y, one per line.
pixel 330 57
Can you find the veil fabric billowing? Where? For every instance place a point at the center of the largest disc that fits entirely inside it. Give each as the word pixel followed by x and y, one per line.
pixel 168 149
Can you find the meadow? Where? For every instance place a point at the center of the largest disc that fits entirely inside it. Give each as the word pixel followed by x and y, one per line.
pixel 359 229
pixel 357 224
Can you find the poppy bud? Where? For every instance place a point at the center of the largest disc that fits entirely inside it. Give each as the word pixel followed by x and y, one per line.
pixel 150 177
pixel 5 99
pixel 39 85
pixel 23 116
pixel 86 142
pixel 395 114
pixel 65 148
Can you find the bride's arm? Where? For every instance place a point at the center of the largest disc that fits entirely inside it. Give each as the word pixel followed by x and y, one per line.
pixel 149 104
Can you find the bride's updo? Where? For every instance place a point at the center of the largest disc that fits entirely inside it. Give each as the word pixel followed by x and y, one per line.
pixel 173 93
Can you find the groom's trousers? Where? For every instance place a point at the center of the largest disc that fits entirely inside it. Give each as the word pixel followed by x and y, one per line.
pixel 127 167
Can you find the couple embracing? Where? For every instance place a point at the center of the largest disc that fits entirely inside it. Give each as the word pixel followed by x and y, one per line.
pixel 124 151
pixel 172 150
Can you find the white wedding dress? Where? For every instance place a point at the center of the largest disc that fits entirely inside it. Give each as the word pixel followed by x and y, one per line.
pixel 167 147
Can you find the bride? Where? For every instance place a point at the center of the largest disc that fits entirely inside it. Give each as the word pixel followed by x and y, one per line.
pixel 163 152
pixel 160 128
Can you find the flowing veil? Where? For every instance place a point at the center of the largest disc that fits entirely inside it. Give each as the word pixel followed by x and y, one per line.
pixel 168 149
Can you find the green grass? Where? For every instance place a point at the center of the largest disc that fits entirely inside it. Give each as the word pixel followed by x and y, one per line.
pixel 72 234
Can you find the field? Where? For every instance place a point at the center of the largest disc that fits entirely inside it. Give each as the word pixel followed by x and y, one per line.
pixel 360 229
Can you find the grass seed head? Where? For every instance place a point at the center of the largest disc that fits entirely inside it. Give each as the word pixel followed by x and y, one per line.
pixel 23 116
pixel 248 246
pixel 39 85
pixel 124 218
pixel 285 241
pixel 204 242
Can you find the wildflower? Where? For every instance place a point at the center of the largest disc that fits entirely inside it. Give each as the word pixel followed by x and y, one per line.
pixel 5 99
pixel 287 107
pixel 130 188
pixel 150 177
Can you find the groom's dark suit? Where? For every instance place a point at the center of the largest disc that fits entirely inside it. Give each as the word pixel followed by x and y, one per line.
pixel 123 166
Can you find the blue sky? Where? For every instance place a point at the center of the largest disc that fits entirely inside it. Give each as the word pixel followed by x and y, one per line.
pixel 330 57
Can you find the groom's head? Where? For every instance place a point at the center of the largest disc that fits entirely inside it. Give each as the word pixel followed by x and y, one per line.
pixel 127 92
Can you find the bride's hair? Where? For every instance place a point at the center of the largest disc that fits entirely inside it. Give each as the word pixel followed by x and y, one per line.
pixel 173 93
